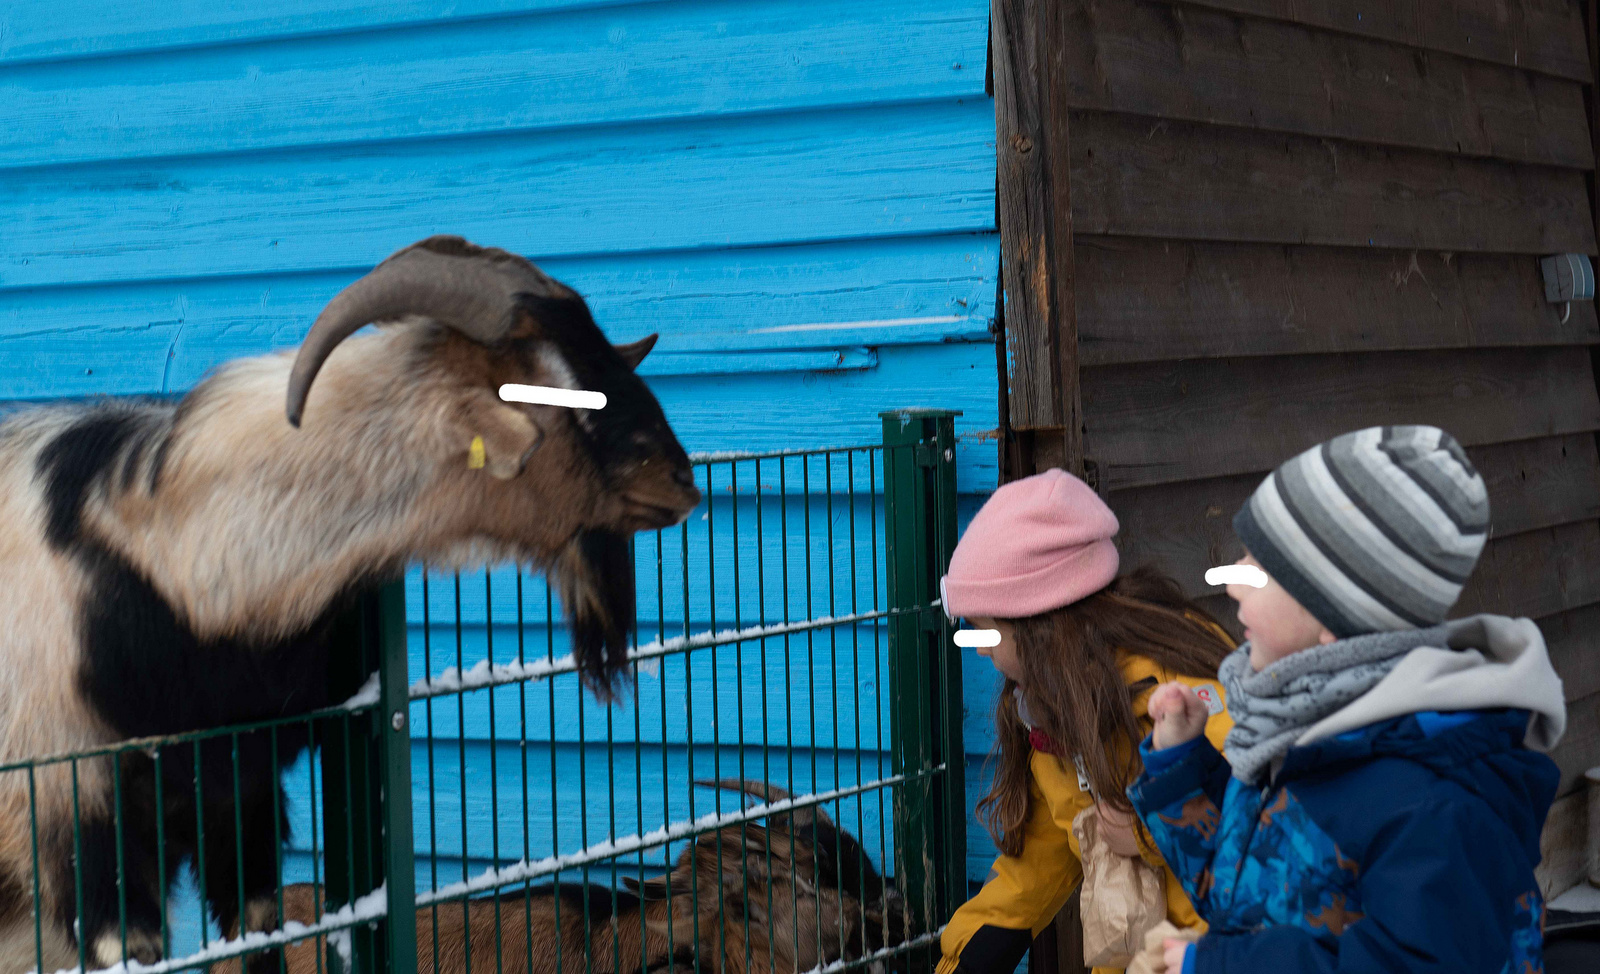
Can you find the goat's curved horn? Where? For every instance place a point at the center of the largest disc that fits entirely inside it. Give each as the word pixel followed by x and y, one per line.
pixel 770 793
pixel 468 288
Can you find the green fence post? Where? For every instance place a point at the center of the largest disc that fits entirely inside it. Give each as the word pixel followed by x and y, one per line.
pixel 394 719
pixel 366 789
pixel 924 666
pixel 347 865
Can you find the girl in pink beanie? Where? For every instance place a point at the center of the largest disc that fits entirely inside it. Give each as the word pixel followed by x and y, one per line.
pixel 1080 648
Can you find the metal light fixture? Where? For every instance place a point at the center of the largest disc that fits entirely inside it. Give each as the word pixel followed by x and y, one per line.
pixel 1569 278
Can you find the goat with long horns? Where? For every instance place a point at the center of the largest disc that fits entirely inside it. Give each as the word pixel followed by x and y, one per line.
pixel 170 567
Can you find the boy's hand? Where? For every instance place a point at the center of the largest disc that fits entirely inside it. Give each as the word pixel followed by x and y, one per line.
pixel 1179 715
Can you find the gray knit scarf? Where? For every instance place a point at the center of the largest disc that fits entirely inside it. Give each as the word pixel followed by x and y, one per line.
pixel 1272 708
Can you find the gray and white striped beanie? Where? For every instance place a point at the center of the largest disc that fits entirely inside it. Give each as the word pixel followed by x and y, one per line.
pixel 1372 531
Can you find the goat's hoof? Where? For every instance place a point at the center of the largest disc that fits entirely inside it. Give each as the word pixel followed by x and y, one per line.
pixel 143 946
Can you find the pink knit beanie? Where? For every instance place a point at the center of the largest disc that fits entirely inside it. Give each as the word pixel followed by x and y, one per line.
pixel 1038 543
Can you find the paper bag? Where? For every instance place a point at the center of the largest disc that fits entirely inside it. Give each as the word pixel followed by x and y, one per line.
pixel 1122 898
pixel 1153 959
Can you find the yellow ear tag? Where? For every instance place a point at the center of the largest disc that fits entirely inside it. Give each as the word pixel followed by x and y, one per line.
pixel 475 456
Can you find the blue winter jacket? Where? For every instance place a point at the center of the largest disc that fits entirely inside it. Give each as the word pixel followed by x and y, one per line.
pixel 1407 845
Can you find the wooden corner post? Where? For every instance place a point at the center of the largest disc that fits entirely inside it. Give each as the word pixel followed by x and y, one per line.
pixel 1034 209
pixel 1037 320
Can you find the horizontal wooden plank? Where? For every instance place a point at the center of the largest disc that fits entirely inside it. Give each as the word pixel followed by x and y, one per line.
pixel 581 68
pixel 1164 422
pixel 1144 300
pixel 1574 641
pixel 1536 574
pixel 907 170
pixel 1158 178
pixel 1579 749
pixel 148 347
pixel 1539 35
pixel 164 336
pixel 86 28
pixel 740 363
pixel 1153 58
pixel 1540 483
pixel 750 412
pixel 1186 528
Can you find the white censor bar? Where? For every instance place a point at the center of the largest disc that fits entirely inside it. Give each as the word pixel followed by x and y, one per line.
pixel 552 396
pixel 1236 575
pixel 977 638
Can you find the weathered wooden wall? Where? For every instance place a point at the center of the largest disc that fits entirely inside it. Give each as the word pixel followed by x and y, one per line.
pixel 1292 218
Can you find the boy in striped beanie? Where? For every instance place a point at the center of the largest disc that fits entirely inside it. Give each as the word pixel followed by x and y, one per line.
pixel 1378 804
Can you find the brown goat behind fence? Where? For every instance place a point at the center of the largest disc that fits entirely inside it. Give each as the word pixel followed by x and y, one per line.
pixel 782 898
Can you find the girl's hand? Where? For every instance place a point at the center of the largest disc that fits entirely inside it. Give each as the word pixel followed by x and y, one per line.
pixel 1179 715
pixel 1117 830
pixel 1173 951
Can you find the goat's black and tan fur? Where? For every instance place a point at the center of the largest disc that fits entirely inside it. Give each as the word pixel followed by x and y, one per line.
pixel 176 566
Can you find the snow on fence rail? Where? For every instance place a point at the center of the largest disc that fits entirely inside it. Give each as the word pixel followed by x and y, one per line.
pixel 484 674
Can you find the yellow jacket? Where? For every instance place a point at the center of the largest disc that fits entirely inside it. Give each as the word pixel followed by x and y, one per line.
pixel 1024 893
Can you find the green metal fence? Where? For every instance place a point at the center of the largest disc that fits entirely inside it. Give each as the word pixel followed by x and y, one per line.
pixel 788 635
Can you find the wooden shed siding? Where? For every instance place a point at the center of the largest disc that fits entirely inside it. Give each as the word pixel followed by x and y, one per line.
pixel 1138 176
pixel 1185 420
pixel 1175 61
pixel 1292 222
pixel 1143 300
pixel 471 75
pixel 1570 636
pixel 1537 35
pixel 847 173
pixel 79 29
pixel 1293 218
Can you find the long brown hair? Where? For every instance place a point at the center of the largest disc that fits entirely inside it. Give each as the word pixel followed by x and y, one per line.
pixel 1076 694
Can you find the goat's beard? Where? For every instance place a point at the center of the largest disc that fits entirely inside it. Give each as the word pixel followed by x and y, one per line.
pixel 595 573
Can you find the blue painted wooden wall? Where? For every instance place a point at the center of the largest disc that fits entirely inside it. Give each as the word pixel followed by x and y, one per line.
pixel 799 196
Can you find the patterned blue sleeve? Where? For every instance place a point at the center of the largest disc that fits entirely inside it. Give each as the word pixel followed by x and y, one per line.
pixel 1444 889
pixel 1157 761
pixel 1180 801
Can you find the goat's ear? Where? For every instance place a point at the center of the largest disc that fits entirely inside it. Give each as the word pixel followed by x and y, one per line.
pixel 634 352
pixel 658 888
pixel 498 437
